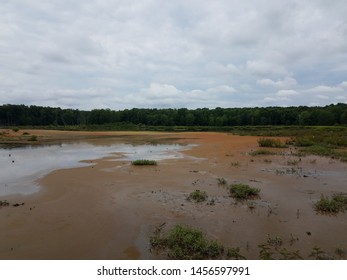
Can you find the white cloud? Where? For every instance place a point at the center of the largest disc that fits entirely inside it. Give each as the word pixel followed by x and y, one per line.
pixel 343 85
pixel 221 89
pixel 286 83
pixel 265 69
pixel 287 93
pixel 324 89
pixel 321 96
pixel 171 54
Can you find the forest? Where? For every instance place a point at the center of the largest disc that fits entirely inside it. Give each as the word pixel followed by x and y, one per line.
pixel 23 115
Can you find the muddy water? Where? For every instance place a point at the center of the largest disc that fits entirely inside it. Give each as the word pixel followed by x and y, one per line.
pixel 108 209
pixel 21 167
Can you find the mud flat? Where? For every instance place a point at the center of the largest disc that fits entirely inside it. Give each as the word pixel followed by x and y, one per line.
pixel 108 209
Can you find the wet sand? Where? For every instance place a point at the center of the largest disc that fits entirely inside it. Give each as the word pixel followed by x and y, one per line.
pixel 108 210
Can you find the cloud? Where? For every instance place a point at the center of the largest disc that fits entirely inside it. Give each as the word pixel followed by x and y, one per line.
pixel 122 54
pixel 287 93
pixel 325 89
pixel 343 85
pixel 261 68
pixel 286 83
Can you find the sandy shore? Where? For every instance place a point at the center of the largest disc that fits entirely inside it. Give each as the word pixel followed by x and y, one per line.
pixel 108 210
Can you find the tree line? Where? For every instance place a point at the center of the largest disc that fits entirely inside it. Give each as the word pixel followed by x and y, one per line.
pixel 23 115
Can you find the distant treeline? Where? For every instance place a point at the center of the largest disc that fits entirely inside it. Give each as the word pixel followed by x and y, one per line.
pixel 22 115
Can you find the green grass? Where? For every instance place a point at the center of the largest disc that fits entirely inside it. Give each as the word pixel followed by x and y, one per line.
pixel 337 203
pixel 243 191
pixel 197 196
pixel 144 162
pixel 271 143
pixel 187 243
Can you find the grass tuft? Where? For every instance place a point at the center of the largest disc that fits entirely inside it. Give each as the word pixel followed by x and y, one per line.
pixel 271 143
pixel 243 191
pixel 144 162
pixel 337 203
pixel 197 196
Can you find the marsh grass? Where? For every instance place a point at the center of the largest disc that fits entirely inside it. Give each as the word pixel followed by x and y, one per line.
pixel 187 243
pixel 243 191
pixel 337 203
pixel 184 242
pixel 144 162
pixel 197 196
pixel 271 143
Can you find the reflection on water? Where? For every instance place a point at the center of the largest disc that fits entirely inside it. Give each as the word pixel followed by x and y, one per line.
pixel 22 166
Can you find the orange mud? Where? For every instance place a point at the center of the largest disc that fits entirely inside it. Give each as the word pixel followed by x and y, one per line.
pixel 109 210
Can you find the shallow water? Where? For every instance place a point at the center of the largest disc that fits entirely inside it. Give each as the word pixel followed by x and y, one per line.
pixel 21 167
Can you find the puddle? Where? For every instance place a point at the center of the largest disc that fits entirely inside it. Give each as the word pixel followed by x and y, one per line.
pixel 21 167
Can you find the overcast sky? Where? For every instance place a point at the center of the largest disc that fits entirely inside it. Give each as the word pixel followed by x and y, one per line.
pixel 120 54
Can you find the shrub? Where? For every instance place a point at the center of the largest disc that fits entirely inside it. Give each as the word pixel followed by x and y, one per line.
pixel 197 196
pixel 243 192
pixel 144 162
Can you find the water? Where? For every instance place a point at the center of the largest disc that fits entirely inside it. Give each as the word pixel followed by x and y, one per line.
pixel 21 167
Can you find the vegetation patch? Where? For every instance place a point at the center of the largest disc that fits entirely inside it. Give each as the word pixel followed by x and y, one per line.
pixel 4 203
pixel 197 196
pixel 243 191
pixel 271 143
pixel 337 203
pixel 293 162
pixel 221 181
pixel 144 162
pixel 32 138
pixel 261 152
pixel 187 243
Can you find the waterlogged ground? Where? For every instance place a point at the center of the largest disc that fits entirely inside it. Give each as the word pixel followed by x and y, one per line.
pixel 21 167
pixel 108 209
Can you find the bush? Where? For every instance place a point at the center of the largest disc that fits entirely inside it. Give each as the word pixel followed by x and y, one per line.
pixel 144 162
pixel 197 196
pixel 243 192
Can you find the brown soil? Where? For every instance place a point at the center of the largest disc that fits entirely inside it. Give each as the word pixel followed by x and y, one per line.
pixel 109 210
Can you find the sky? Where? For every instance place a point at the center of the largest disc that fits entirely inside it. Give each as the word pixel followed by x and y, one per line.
pixel 121 54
